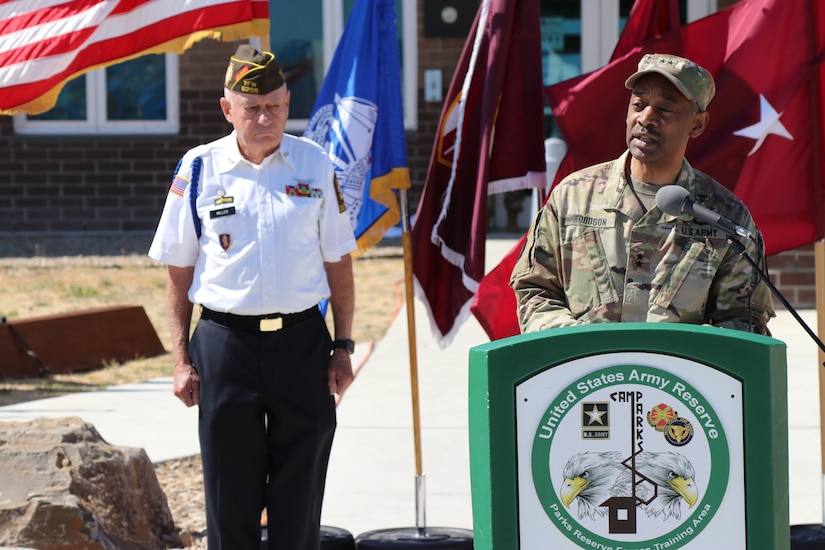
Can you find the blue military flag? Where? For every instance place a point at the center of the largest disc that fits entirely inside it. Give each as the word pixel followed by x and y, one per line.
pixel 358 118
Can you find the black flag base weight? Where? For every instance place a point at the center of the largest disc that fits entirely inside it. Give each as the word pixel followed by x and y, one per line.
pixel 808 537
pixel 332 538
pixel 433 538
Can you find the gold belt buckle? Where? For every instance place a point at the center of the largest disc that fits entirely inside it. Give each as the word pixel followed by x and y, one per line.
pixel 271 325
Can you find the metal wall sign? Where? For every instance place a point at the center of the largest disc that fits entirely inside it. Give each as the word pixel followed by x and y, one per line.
pixel 631 437
pixel 449 18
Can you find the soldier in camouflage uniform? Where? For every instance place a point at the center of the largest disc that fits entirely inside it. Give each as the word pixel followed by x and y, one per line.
pixel 602 251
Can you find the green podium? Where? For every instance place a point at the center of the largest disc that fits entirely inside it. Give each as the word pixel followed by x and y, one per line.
pixel 629 436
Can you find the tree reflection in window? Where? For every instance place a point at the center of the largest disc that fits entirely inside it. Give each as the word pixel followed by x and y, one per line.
pixel 136 89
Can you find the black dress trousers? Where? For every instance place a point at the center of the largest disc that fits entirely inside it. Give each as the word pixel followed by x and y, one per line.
pixel 266 424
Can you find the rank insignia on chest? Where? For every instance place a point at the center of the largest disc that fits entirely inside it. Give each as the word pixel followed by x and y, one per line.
pixel 303 190
pixel 226 241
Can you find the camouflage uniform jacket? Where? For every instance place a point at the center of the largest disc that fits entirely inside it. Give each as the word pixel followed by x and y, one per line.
pixel 594 255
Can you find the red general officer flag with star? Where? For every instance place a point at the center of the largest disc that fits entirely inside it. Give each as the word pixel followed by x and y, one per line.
pixel 764 140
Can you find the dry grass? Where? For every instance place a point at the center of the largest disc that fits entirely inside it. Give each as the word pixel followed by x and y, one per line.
pixel 35 287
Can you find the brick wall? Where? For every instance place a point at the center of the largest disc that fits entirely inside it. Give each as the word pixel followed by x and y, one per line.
pixel 433 54
pixel 113 184
pixel 793 273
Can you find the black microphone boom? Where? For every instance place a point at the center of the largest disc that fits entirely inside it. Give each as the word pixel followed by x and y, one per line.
pixel 675 200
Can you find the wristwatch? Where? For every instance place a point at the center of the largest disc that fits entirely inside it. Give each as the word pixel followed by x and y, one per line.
pixel 348 345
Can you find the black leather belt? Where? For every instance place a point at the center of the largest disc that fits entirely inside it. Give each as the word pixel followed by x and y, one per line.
pixel 259 323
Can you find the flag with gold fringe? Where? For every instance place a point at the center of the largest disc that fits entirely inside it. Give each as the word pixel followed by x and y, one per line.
pixel 45 44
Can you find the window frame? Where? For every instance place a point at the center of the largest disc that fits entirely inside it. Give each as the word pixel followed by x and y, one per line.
pixel 600 28
pixel 96 122
pixel 333 27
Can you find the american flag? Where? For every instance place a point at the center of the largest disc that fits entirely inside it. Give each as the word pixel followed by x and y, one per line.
pixel 46 43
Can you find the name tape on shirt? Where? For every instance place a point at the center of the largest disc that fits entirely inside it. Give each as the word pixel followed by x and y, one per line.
pixel 591 221
pixel 700 231
pixel 221 212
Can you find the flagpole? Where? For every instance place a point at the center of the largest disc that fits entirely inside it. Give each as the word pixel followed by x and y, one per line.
pixel 819 263
pixel 819 258
pixel 406 239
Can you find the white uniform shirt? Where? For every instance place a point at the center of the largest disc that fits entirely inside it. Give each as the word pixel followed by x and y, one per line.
pixel 266 229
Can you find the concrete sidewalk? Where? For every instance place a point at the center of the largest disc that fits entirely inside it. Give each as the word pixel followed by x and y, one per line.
pixel 371 481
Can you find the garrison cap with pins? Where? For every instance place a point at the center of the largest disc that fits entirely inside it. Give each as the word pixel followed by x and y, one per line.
pixel 693 81
pixel 253 72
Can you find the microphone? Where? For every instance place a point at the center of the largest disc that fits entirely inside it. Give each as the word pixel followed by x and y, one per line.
pixel 675 200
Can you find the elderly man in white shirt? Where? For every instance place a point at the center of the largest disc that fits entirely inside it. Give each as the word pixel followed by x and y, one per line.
pixel 254 231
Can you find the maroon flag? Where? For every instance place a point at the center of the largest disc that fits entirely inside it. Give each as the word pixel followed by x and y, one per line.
pixel 490 139
pixel 47 43
pixel 494 305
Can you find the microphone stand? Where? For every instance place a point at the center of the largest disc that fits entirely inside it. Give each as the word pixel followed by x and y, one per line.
pixel 808 536
pixel 740 249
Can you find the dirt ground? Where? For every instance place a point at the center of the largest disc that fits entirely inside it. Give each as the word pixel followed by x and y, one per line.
pixel 33 287
pixel 40 286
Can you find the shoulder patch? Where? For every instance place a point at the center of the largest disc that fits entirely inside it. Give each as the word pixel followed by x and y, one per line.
pixel 342 206
pixel 179 184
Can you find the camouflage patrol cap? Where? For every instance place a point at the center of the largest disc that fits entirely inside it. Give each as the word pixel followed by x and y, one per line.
pixel 253 72
pixel 693 81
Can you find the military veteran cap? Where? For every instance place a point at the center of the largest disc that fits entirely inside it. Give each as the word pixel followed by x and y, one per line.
pixel 253 72
pixel 693 81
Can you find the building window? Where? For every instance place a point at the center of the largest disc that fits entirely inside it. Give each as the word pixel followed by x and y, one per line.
pixel 579 36
pixel 139 96
pixel 304 42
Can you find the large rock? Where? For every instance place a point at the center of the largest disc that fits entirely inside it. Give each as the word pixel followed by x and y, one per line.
pixel 62 487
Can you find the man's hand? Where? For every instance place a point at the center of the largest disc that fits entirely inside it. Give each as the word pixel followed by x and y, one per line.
pixel 339 373
pixel 187 384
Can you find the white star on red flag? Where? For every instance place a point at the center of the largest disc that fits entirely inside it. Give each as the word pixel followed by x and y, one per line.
pixel 769 123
